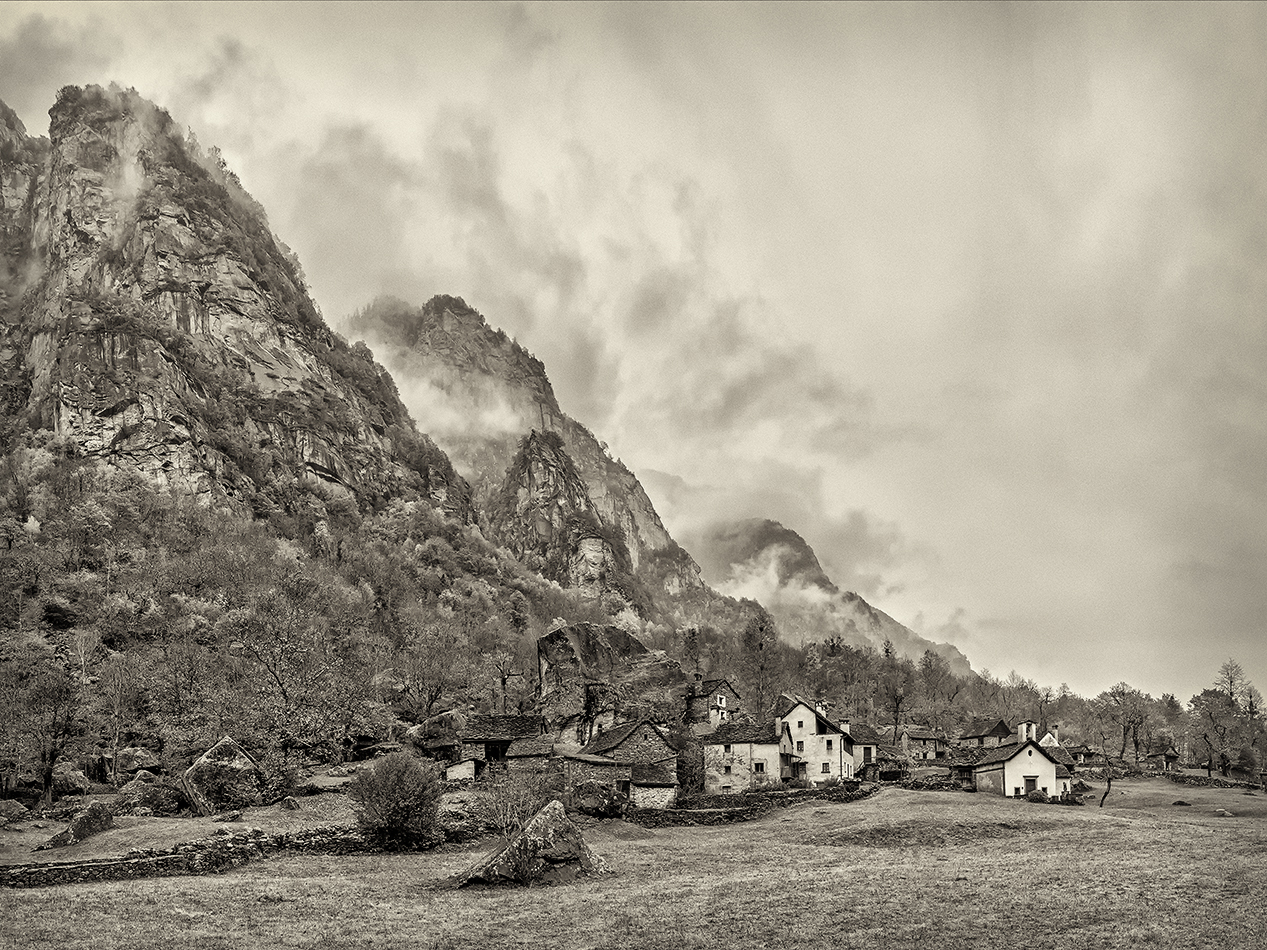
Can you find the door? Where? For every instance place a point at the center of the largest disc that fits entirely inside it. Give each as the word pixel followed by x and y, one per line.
pixel 1031 784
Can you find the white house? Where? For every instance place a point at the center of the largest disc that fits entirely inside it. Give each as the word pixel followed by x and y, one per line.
pixel 1020 767
pixel 822 750
pixel 738 756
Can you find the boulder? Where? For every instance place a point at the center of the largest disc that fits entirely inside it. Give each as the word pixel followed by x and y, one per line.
pixel 95 819
pixel 12 811
pixel 598 799
pixel 158 798
pixel 233 815
pixel 135 758
pixel 225 777
pixel 70 781
pixel 289 803
pixel 549 849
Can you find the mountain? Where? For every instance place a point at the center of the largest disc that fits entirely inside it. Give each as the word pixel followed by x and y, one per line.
pixel 489 404
pixel 149 318
pixel 764 560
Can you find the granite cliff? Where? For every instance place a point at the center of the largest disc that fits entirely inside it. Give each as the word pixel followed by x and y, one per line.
pixel 151 318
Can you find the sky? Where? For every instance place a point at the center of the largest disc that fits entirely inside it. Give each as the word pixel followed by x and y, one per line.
pixel 972 296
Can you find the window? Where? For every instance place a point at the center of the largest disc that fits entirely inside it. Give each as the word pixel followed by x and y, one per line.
pixel 758 767
pixel 828 745
pixel 866 753
pixel 826 766
pixel 800 724
pixel 726 749
pixel 726 770
pixel 800 745
pixel 725 788
pixel 721 700
pixel 981 741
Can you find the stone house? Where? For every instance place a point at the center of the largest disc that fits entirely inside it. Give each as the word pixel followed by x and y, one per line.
pixel 530 755
pixel 920 743
pixel 1015 769
pixel 488 738
pixel 639 741
pixel 653 784
pixel 740 755
pixel 985 733
pixel 712 703
pixel 580 767
pixel 822 750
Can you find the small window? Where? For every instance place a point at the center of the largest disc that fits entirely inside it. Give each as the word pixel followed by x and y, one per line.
pixel 800 724
pixel 758 767
pixel 828 745
pixel 725 788
pixel 826 766
pixel 800 745
pixel 726 749
pixel 721 699
pixel 726 770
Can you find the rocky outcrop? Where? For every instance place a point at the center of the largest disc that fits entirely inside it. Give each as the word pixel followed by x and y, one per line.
pixel 479 393
pixel 591 676
pixel 549 849
pixel 224 777
pixel 164 329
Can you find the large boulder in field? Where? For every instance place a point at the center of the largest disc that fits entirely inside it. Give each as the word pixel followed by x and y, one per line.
pixel 68 780
pixel 224 777
pixel 11 810
pixel 549 849
pixel 92 820
pixel 160 797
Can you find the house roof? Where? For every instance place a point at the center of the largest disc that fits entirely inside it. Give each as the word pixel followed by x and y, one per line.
pixel 739 732
pixel 661 774
pixel 711 686
pixel 978 728
pixel 921 732
pixel 501 728
pixel 1059 754
pixel 863 734
pixel 1003 753
pixel 593 759
pixel 787 703
pixel 1062 772
pixel 606 741
pixel 536 745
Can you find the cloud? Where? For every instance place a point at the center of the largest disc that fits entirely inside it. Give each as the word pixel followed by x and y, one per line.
pixel 41 54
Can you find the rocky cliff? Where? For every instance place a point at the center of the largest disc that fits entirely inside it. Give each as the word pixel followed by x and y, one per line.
pixel 773 564
pixel 480 393
pixel 152 318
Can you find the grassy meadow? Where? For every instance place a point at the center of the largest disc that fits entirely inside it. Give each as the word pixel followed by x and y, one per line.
pixel 899 869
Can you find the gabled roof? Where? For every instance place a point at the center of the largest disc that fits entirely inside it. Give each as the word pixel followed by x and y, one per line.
pixel 711 686
pixel 537 745
pixel 655 774
pixel 978 728
pixel 501 728
pixel 787 703
pixel 1062 772
pixel 1059 754
pixel 1010 750
pixel 606 741
pixel 740 732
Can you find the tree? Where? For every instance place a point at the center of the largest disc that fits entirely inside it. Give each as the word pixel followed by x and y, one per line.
pixel 118 701
pixel 48 722
pixel 1214 720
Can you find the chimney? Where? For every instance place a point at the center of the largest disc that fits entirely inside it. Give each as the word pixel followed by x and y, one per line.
pixel 1055 732
pixel 1022 732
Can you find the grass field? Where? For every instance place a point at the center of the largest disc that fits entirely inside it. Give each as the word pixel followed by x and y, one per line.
pixel 900 869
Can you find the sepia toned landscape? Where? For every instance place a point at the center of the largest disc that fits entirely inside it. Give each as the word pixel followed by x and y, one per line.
pixel 575 476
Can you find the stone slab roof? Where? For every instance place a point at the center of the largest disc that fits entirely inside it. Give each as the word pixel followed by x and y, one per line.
pixel 537 745
pixel 655 774
pixel 501 728
pixel 737 733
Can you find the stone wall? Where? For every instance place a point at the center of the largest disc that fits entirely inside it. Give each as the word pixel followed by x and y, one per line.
pixel 211 855
pixel 1208 781
pixel 576 771
pixel 653 796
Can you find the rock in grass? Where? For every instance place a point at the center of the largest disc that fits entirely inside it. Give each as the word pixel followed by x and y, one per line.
pixel 233 815
pixel 289 803
pixel 11 810
pixel 549 849
pixel 95 819
pixel 1185 804
pixel 1223 813
pixel 224 777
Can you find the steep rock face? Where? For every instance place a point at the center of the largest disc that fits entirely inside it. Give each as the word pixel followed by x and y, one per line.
pixel 163 327
pixel 544 515
pixel 479 392
pixel 773 564
pixel 591 676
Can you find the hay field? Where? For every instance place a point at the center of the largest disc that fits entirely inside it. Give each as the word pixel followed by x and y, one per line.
pixel 900 869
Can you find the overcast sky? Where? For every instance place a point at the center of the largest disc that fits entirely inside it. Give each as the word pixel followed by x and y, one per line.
pixel 972 297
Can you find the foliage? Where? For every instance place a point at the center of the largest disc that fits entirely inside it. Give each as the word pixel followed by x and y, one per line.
pixel 397 801
pixel 509 798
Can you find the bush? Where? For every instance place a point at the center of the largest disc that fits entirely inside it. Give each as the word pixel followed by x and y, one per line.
pixel 397 800
pixel 508 800
pixel 1038 796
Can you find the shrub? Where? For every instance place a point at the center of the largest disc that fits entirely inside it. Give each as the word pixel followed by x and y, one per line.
pixel 1037 795
pixel 397 800
pixel 508 800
